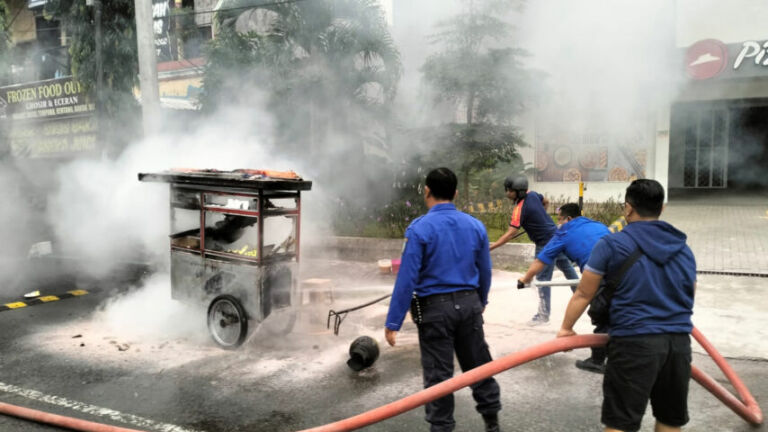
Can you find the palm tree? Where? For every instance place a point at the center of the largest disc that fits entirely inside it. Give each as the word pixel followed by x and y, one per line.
pixel 330 67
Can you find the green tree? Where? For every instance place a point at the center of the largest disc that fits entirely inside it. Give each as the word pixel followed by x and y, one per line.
pixel 118 45
pixel 5 44
pixel 329 69
pixel 478 73
pixel 118 108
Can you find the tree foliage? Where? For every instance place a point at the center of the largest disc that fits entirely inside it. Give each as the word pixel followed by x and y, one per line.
pixel 5 43
pixel 119 50
pixel 329 69
pixel 479 72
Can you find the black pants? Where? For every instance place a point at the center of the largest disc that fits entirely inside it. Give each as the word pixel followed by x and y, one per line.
pixel 453 323
pixel 598 314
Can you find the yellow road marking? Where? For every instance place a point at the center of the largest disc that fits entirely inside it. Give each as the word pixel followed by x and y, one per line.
pixel 78 292
pixel 16 305
pixel 48 298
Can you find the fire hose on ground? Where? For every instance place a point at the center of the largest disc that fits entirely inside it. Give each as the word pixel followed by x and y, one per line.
pixel 745 406
pixel 58 420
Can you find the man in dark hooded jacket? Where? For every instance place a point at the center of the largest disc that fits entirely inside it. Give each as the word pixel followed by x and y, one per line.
pixel 649 350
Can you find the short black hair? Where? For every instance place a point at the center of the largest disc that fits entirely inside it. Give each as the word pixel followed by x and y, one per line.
pixel 442 183
pixel 570 210
pixel 646 196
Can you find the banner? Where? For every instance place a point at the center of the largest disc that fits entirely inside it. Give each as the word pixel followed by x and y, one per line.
pixel 45 119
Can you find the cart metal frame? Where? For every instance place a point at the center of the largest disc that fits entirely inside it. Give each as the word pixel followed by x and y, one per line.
pixel 238 288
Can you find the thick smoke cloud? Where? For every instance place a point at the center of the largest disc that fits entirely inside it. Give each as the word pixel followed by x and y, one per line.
pixel 605 62
pixel 103 214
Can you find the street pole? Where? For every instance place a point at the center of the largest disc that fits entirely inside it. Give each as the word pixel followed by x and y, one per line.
pixel 99 62
pixel 99 79
pixel 145 38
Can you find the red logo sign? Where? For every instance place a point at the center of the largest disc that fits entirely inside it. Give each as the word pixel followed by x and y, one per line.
pixel 706 59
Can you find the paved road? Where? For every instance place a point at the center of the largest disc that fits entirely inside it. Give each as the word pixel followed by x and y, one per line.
pixel 133 358
pixel 129 356
pixel 727 231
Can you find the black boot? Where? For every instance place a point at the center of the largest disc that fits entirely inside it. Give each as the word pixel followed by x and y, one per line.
pixel 491 422
pixel 591 365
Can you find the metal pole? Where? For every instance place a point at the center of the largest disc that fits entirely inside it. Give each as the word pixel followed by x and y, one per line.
pixel 99 62
pixel 99 77
pixel 145 38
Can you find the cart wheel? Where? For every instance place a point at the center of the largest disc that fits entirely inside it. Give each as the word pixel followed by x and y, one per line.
pixel 227 321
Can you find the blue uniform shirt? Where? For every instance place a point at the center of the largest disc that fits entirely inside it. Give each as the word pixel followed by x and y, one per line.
pixel 576 238
pixel 445 250
pixel 656 294
pixel 533 217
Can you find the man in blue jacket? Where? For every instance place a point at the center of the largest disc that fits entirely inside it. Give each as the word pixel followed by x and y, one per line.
pixel 447 265
pixel 530 213
pixel 649 351
pixel 575 238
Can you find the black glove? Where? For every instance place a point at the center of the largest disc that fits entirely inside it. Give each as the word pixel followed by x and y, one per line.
pixel 520 284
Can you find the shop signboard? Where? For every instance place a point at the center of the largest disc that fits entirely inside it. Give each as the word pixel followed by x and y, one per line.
pixel 711 58
pixel 51 118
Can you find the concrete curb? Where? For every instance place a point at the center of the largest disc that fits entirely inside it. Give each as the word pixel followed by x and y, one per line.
pixel 372 249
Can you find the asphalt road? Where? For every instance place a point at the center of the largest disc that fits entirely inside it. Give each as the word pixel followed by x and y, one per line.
pixel 130 357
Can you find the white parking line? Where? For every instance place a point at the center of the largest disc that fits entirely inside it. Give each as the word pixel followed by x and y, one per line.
pixel 114 415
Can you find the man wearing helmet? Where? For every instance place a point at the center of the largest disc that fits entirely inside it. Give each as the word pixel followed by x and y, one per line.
pixel 530 214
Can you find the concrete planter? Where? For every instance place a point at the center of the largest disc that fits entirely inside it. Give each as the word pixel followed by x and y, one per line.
pixel 373 249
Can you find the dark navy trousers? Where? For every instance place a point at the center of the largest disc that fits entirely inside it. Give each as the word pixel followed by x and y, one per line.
pixel 453 323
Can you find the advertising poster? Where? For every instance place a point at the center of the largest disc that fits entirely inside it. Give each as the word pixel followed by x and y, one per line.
pixel 591 156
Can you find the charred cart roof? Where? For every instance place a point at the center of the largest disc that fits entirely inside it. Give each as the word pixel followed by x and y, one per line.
pixel 237 179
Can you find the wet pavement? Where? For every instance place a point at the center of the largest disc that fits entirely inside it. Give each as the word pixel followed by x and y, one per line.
pixel 171 376
pixel 131 357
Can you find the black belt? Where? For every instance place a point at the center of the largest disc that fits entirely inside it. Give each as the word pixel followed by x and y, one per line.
pixel 437 298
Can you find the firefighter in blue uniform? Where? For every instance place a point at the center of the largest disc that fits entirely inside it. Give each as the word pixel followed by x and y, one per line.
pixel 444 278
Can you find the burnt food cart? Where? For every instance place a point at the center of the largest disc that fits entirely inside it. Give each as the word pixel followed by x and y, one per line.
pixel 235 245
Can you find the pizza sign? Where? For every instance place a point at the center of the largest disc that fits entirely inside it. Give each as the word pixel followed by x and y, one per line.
pixel 754 51
pixel 706 59
pixel 711 58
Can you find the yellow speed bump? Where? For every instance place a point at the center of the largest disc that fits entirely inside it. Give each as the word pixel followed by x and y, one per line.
pixel 42 299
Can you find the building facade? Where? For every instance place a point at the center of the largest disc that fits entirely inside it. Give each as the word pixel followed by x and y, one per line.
pixel 710 133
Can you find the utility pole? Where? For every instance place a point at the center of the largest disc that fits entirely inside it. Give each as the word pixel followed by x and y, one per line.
pixel 99 114
pixel 145 38
pixel 99 62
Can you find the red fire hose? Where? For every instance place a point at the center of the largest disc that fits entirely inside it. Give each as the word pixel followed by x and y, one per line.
pixel 57 420
pixel 472 376
pixel 748 409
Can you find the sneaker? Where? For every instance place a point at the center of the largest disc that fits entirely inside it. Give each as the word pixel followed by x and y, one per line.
pixel 491 422
pixel 538 320
pixel 590 366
